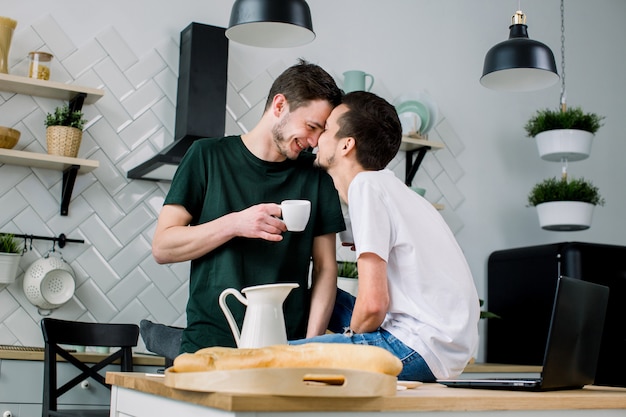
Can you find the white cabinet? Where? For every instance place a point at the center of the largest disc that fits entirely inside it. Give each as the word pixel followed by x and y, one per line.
pixel 21 387
pixel 20 410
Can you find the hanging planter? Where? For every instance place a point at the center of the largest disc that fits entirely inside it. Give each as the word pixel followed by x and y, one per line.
pixel 565 205
pixel 563 134
pixel 559 144
pixel 9 263
pixel 565 216
pixel 10 255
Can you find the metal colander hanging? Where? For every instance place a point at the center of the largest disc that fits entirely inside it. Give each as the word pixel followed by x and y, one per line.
pixel 49 282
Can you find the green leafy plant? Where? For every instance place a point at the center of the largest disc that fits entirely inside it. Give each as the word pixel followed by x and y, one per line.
pixel 63 116
pixel 487 314
pixel 8 243
pixel 347 269
pixel 572 118
pixel 553 189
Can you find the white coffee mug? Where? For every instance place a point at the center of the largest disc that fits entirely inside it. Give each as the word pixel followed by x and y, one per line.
pixel 295 214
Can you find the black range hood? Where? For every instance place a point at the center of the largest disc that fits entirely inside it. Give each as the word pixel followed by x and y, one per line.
pixel 201 98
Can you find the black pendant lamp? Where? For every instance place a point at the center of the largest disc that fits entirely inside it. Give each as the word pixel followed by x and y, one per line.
pixel 519 63
pixel 271 23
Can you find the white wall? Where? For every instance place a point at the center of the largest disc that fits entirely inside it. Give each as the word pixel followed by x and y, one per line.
pixel 438 46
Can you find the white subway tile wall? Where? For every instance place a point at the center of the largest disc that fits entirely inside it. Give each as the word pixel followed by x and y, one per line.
pixel 117 280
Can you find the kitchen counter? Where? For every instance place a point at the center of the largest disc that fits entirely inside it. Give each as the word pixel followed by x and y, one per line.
pixel 142 395
pixel 29 353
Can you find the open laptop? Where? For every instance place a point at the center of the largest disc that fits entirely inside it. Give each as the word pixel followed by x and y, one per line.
pixel 573 345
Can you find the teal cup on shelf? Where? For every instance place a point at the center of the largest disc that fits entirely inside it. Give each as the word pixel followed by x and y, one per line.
pixel 420 191
pixel 355 80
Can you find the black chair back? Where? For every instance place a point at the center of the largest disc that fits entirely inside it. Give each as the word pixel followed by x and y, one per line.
pixel 122 337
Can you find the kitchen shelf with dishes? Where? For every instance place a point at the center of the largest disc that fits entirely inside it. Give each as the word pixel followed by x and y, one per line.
pixel 416 147
pixel 77 96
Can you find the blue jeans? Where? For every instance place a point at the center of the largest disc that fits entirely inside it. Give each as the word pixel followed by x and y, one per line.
pixel 414 367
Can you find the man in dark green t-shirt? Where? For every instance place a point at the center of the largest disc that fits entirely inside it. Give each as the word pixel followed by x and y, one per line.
pixel 223 213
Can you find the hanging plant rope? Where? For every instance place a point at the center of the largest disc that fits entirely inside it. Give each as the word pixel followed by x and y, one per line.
pixel 563 92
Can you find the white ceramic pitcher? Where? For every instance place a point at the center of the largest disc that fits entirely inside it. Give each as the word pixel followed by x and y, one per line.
pixel 264 322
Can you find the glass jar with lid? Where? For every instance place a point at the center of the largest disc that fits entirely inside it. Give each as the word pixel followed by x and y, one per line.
pixel 39 65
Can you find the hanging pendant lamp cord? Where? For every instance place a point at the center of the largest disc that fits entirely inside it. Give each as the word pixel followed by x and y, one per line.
pixel 563 93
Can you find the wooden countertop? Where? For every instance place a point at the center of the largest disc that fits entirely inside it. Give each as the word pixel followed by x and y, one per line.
pixel 428 397
pixel 36 354
pixel 29 353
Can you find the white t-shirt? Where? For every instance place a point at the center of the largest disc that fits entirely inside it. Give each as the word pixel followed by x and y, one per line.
pixel 434 307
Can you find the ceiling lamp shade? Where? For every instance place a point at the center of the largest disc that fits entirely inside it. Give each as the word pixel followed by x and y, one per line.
pixel 519 63
pixel 271 23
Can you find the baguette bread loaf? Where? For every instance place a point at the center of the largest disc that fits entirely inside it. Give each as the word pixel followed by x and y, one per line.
pixel 310 355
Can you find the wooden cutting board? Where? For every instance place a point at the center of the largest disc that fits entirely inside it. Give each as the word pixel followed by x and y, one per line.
pixel 301 382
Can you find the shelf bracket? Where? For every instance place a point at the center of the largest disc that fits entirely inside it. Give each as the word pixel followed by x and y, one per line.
pixel 411 165
pixel 76 103
pixel 69 178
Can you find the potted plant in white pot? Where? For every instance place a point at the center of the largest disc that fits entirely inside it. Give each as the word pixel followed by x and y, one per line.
pixel 484 314
pixel 565 204
pixel 10 253
pixel 563 134
pixel 64 131
pixel 347 276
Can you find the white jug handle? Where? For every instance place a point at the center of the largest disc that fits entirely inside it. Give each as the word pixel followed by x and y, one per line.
pixel 229 316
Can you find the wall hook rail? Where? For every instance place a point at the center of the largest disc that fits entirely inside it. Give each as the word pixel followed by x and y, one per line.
pixel 61 240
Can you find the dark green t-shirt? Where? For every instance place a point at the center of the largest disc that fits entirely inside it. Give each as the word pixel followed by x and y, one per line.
pixel 218 176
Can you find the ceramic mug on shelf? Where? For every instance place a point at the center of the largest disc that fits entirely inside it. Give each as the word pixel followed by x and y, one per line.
pixel 354 80
pixel 419 190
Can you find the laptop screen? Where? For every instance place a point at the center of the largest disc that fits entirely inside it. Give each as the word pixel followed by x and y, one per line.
pixel 575 334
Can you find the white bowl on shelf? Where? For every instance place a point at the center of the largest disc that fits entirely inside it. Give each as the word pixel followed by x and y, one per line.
pixel 421 104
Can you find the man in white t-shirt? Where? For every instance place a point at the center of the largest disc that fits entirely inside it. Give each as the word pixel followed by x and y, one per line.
pixel 416 295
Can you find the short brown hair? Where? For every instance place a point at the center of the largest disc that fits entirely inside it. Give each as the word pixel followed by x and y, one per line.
pixel 375 127
pixel 305 82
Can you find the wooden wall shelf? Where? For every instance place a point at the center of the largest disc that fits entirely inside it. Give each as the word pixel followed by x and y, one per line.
pixel 48 89
pixel 76 96
pixel 412 144
pixel 45 161
pixel 70 167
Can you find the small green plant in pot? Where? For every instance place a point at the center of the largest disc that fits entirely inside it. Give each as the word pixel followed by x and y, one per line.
pixel 347 277
pixel 563 134
pixel 565 204
pixel 64 131
pixel 484 314
pixel 9 244
pixel 64 116
pixel 10 253
pixel 347 269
